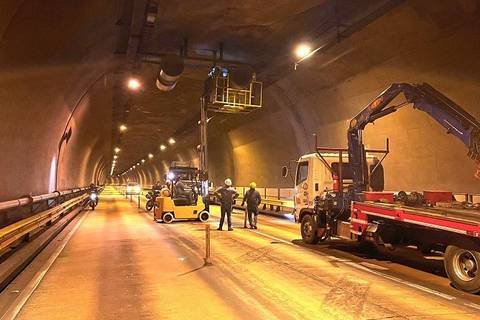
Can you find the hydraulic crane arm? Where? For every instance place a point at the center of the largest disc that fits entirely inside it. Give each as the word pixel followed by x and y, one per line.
pixel 423 97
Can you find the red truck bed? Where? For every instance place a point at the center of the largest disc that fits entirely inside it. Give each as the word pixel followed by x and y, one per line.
pixel 462 221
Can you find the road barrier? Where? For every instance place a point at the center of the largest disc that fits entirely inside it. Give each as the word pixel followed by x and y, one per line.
pixel 22 228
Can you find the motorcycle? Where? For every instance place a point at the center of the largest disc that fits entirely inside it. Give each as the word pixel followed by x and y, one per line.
pixel 152 199
pixel 93 200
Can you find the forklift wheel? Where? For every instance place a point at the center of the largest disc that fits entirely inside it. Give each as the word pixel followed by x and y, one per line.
pixel 167 217
pixel 204 216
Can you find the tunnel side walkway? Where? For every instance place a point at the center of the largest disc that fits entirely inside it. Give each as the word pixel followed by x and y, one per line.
pixel 119 265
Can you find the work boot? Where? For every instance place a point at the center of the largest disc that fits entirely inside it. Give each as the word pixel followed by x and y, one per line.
pixel 230 229
pixel 219 229
pixel 255 227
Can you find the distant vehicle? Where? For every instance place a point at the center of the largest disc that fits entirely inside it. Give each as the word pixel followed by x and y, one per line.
pixel 92 201
pixel 133 188
pixel 343 196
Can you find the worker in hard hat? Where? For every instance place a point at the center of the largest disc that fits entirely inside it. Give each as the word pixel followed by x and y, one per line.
pixel 227 195
pixel 253 199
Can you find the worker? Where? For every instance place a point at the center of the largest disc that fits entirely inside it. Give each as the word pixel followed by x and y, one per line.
pixel 181 196
pixel 253 199
pixel 227 195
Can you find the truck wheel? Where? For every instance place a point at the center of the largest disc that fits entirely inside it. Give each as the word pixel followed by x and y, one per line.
pixel 463 268
pixel 167 217
pixel 309 230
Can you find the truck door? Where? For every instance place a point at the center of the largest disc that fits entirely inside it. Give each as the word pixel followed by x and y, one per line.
pixel 301 186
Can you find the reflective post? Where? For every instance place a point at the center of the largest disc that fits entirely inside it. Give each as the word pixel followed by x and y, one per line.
pixel 208 262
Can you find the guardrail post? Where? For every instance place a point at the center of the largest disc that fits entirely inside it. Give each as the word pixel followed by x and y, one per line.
pixel 207 259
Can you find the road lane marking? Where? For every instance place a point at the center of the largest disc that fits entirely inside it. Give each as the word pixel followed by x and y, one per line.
pixel 13 311
pixel 373 266
pixel 398 280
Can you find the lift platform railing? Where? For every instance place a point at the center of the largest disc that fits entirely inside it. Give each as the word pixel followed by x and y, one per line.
pixel 13 232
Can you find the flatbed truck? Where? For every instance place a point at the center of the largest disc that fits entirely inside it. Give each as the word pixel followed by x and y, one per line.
pixel 339 192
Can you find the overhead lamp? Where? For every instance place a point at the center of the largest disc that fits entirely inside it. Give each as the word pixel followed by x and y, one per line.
pixel 122 127
pixel 143 160
pixel 133 84
pixel 117 149
pixel 138 163
pixel 303 50
pixel 163 147
pixel 150 156
pixel 171 141
pixel 115 157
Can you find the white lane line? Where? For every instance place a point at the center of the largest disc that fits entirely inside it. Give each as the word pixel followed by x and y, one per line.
pixel 273 238
pixel 472 305
pixel 13 311
pixel 404 282
pixel 373 266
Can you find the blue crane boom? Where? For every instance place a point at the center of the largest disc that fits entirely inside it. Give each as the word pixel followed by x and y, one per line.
pixel 424 97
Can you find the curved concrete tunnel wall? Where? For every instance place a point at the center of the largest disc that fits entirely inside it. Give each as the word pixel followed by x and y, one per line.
pixel 413 43
pixel 45 69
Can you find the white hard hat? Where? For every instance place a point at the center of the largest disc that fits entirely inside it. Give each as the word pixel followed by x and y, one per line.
pixel 228 182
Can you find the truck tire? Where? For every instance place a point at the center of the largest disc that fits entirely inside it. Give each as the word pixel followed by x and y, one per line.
pixel 309 230
pixel 463 268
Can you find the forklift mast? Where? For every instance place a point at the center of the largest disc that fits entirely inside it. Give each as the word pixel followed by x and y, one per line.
pixel 423 97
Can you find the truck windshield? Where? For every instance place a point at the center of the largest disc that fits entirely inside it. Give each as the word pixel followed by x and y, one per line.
pixel 302 172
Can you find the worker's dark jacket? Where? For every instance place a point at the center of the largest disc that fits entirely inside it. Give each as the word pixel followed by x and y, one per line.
pixel 253 199
pixel 226 196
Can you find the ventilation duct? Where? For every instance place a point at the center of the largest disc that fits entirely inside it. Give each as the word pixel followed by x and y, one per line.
pixel 171 67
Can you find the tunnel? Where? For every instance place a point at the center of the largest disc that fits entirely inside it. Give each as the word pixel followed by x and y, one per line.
pixel 112 94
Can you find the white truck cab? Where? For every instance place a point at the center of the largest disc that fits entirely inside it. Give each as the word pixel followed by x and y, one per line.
pixel 313 178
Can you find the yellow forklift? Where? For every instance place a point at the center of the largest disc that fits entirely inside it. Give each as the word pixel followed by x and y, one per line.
pixel 181 201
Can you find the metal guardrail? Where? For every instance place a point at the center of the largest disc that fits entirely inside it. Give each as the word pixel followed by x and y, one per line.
pixel 17 230
pixel 27 200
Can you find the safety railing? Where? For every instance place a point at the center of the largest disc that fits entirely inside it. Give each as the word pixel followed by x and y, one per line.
pixel 27 200
pixel 22 228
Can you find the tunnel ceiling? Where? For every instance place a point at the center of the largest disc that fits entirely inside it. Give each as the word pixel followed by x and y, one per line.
pixel 62 61
pixel 247 32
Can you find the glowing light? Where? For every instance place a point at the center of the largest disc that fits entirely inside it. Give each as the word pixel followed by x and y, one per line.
pixel 143 160
pixel 171 141
pixel 138 163
pixel 303 50
pixel 115 157
pixel 134 84
pixel 150 156
pixel 163 147
pixel 122 127
pixel 117 149
pixel 170 176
